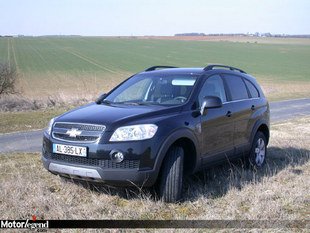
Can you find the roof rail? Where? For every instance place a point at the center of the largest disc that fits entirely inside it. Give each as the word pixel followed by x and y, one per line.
pixel 158 67
pixel 210 67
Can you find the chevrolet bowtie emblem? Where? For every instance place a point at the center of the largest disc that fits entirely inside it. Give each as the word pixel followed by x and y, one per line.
pixel 73 132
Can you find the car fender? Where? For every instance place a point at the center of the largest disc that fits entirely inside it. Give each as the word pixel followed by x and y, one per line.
pixel 255 128
pixel 168 142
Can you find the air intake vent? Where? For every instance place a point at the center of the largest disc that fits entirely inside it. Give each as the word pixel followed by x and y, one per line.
pixel 126 164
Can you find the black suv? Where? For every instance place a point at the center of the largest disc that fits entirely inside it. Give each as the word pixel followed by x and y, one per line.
pixel 160 124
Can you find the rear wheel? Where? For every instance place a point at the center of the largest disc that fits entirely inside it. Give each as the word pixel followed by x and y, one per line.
pixel 258 152
pixel 171 177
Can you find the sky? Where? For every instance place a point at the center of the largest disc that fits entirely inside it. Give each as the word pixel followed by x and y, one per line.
pixel 152 17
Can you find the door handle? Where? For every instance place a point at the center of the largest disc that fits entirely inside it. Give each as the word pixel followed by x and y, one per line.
pixel 228 114
pixel 252 107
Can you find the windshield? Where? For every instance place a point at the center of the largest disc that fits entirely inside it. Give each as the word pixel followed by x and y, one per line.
pixel 168 89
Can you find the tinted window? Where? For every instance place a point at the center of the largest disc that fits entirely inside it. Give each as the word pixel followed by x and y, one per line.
pixel 213 86
pixel 163 89
pixel 253 91
pixel 134 92
pixel 237 87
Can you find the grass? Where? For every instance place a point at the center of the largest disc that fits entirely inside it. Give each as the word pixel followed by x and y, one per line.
pixel 280 191
pixel 77 66
pixel 26 120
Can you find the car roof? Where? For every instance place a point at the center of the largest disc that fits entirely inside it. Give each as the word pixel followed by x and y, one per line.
pixel 175 71
pixel 195 70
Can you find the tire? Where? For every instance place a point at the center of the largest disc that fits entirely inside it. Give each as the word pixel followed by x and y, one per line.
pixel 171 176
pixel 258 153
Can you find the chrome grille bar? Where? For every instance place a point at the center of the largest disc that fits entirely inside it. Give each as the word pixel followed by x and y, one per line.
pixel 77 132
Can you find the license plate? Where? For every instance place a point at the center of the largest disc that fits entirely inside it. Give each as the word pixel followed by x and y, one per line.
pixel 70 150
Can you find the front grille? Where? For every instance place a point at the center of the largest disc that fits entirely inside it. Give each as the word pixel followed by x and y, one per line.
pixel 77 132
pixel 76 139
pixel 126 164
pixel 86 127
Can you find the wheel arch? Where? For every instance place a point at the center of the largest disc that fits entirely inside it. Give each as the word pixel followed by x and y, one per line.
pixel 262 126
pixel 186 139
pixel 190 153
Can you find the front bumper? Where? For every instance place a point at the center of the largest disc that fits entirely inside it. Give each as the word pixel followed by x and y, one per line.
pixel 114 177
pixel 98 167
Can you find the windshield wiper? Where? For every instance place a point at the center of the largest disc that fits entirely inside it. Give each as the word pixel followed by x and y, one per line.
pixel 139 103
pixel 106 102
pixel 131 103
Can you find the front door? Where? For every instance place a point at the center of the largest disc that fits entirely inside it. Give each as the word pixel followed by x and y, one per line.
pixel 217 126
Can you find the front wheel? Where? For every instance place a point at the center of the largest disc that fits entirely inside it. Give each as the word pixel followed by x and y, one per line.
pixel 171 177
pixel 258 152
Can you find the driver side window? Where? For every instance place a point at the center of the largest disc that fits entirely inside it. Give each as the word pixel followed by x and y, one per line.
pixel 213 86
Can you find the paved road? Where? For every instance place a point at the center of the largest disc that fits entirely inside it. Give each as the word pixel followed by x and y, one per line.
pixel 22 141
pixel 31 141
pixel 285 110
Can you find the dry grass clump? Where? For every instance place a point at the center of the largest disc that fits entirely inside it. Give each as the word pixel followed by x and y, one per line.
pixel 18 103
pixel 279 191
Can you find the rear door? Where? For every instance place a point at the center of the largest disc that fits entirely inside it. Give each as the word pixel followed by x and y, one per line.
pixel 242 109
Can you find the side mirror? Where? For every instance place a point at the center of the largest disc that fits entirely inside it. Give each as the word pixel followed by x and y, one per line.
pixel 100 98
pixel 210 102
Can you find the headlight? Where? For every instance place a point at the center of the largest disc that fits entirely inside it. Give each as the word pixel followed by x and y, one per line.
pixel 134 132
pixel 49 127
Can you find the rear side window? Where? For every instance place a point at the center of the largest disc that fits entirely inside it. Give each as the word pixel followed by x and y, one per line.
pixel 236 87
pixel 253 91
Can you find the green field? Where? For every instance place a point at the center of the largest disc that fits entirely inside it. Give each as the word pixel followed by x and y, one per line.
pixel 75 66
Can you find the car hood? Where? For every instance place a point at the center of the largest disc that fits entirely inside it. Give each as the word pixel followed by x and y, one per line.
pixel 113 115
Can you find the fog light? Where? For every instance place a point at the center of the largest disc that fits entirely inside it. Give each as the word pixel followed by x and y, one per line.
pixel 117 156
